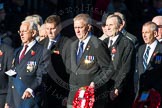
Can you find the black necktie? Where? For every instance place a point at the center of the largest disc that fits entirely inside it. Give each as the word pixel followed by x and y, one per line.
pixel 145 57
pixel 111 42
pixel 51 44
pixel 80 52
pixel 23 53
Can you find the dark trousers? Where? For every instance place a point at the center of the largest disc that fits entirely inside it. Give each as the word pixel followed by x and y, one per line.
pixel 2 100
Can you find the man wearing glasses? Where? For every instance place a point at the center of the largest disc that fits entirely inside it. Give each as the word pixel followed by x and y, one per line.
pixel 29 66
pixel 158 21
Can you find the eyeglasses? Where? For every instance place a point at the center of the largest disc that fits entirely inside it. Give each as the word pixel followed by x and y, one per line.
pixel 24 32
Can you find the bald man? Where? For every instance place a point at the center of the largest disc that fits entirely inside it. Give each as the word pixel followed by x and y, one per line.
pixel 158 21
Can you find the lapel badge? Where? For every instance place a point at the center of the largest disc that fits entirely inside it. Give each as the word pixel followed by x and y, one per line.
pixel 113 50
pixel 88 47
pixel 1 53
pixel 89 59
pixel 31 66
pixel 33 53
pixel 155 53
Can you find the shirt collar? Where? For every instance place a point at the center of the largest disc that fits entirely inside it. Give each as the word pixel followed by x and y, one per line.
pixel 30 45
pixel 56 38
pixel 86 40
pixel 114 38
pixel 153 45
pixel 160 40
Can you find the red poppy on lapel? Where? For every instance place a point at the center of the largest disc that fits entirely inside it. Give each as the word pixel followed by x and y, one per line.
pixel 56 52
pixel 155 53
pixel 113 51
pixel 33 53
pixel 1 53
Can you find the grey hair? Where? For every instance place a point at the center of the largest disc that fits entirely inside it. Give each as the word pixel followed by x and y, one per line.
pixel 85 17
pixel 37 19
pixel 153 26
pixel 119 20
pixel 120 15
pixel 32 25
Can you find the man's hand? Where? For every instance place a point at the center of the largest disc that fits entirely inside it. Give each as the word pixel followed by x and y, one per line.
pixel 114 94
pixel 92 85
pixel 64 101
pixel 26 95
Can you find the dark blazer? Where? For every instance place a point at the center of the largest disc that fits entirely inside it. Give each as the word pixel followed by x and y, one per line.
pixel 95 65
pixel 31 72
pixel 132 38
pixel 57 81
pixel 123 58
pixel 6 57
pixel 58 51
pixel 152 77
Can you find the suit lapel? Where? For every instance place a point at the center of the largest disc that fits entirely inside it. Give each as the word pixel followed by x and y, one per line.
pixel 141 57
pixel 124 33
pixel 55 45
pixel 106 41
pixel 17 54
pixel 74 47
pixel 118 39
pixel 26 58
pixel 46 43
pixel 115 56
pixel 86 51
pixel 116 42
pixel 29 54
pixel 152 56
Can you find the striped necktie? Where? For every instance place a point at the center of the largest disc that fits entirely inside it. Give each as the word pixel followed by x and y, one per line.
pixel 145 57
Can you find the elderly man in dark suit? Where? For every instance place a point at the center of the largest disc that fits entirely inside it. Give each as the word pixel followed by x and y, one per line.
pixel 57 43
pixel 6 53
pixel 149 60
pixel 29 67
pixel 90 62
pixel 123 58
